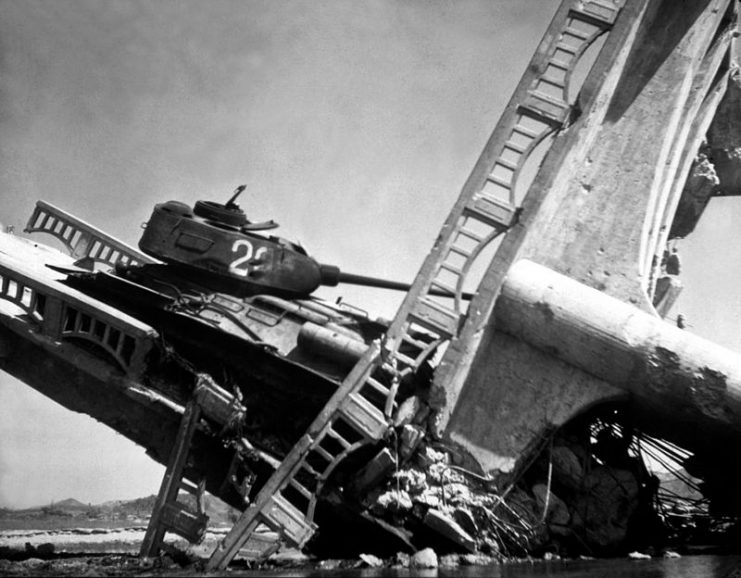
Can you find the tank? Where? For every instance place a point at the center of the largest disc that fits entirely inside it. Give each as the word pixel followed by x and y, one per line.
pixel 227 299
pixel 218 245
pixel 230 253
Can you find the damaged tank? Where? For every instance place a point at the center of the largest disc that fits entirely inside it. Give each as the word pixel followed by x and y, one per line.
pixel 233 311
pixel 215 309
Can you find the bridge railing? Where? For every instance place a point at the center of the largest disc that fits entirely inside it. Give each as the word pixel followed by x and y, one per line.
pixel 61 313
pixel 82 240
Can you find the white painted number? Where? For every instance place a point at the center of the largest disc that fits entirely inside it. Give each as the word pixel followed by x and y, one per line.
pixel 240 266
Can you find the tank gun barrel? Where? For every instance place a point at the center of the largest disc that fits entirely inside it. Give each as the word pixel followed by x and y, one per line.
pixel 332 276
pixel 218 242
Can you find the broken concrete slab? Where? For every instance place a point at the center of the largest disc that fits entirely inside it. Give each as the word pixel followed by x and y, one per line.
pixel 448 527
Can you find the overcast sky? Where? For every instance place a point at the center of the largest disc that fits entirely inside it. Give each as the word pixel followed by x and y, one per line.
pixel 353 124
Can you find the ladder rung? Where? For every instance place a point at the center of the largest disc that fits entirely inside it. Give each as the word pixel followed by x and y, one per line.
pixel 580 34
pixel 448 267
pixel 283 516
pixel 311 471
pixel 324 453
pixel 334 435
pixel 414 342
pixel 188 487
pixel 545 108
pixel 568 49
pixel 405 359
pixel 526 132
pixel 499 181
pixel 497 213
pixel 364 416
pixel 460 251
pixel 444 287
pixel 557 82
pixel 259 547
pixel 519 149
pixel 177 518
pixel 507 164
pixel 300 489
pixel 378 386
pixel 470 234
pixel 599 13
pixel 435 317
pixel 560 64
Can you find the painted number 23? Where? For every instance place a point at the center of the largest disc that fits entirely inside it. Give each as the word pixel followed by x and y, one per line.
pixel 241 266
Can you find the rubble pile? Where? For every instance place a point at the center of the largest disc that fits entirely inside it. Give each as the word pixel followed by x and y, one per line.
pixel 431 493
pixel 588 493
pixel 598 497
pixel 602 488
pixel 418 487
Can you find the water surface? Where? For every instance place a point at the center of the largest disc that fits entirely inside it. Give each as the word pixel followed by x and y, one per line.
pixel 686 567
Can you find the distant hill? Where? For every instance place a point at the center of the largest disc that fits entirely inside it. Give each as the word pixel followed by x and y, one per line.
pixel 137 506
pixel 71 504
pixel 137 510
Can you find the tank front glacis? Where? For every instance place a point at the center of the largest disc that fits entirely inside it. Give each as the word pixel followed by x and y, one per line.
pixel 241 263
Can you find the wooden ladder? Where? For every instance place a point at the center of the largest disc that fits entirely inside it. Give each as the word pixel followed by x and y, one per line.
pixel 168 514
pixel 485 209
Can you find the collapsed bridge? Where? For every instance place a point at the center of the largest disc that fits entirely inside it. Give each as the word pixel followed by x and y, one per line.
pixel 297 432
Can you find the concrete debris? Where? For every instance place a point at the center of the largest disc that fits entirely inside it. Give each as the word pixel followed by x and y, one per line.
pixel 371 561
pixel 477 560
pixel 374 472
pixel 409 439
pixel 638 556
pixel 465 520
pixel 394 501
pixel 413 481
pixel 429 492
pixel 448 527
pixel 426 558
pixel 449 561
pixel 590 492
pixel 331 564
pixel 407 411
pixel 402 559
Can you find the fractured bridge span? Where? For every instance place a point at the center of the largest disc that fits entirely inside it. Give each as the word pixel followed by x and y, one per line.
pixel 566 318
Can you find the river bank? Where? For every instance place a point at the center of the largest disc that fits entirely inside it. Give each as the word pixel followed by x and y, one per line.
pixel 113 552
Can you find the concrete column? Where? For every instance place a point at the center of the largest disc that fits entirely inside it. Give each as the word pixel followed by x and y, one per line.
pixel 678 376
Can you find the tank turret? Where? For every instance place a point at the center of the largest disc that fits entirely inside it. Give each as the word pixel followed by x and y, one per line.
pixel 218 246
pixel 227 252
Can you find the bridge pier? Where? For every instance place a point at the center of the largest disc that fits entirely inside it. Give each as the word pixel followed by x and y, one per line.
pixel 562 347
pixel 603 225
